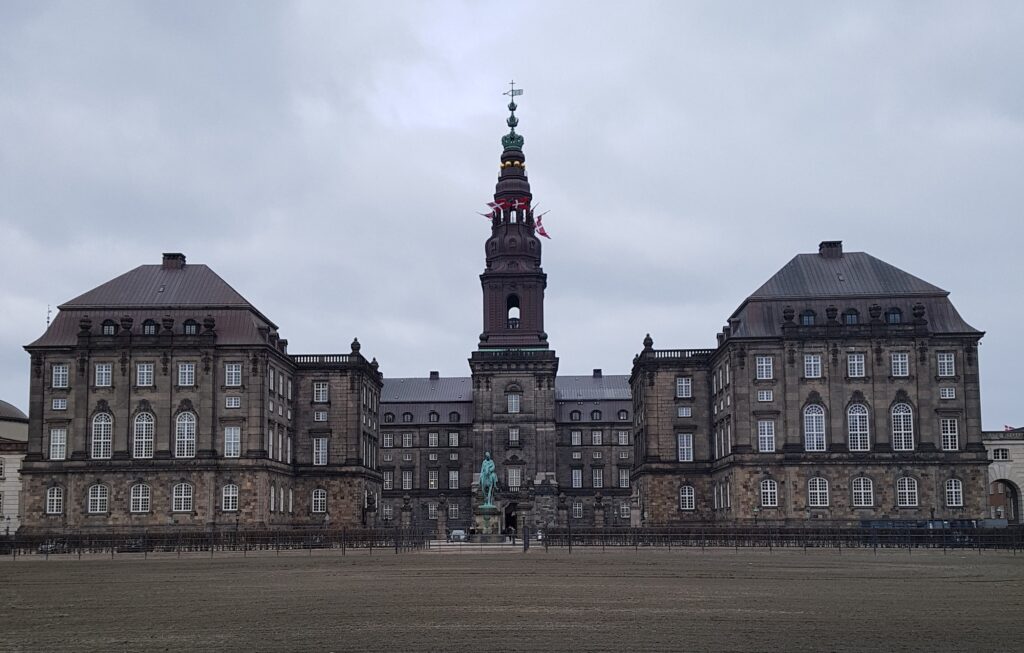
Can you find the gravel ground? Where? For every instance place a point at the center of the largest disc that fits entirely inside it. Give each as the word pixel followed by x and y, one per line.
pixel 720 599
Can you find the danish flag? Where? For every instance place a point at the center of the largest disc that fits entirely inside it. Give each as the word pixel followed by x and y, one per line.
pixel 540 227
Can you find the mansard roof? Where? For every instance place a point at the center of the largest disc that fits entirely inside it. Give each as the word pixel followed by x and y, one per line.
pixel 593 388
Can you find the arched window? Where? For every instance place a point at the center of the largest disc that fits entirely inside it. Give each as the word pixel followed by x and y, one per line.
pixel 906 492
pixel 185 436
pixel 407 417
pixel 149 328
pixel 319 500
pixel 575 416
pixel 273 497
pixel 512 305
pixel 142 438
pixel 595 415
pixel 623 414
pixel 140 498
pixel 814 428
pixel 769 493
pixel 894 316
pixel 389 418
pixel 55 501
pixel 687 498
pixel 954 493
pixel 181 498
pixel 858 438
pixel 454 416
pixel 229 498
pixel 99 498
pixel 807 318
pixel 102 434
pixel 109 328
pixel 190 327
pixel 863 492
pixel 514 400
pixel 434 417
pixel 851 316
pixel 902 428
pixel 817 492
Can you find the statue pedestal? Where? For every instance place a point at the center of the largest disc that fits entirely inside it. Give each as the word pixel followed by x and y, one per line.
pixel 487 520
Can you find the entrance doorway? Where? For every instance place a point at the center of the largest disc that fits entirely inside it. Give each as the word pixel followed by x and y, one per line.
pixel 1004 499
pixel 511 518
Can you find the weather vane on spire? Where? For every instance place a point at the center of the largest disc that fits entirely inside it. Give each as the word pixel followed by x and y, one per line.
pixel 512 139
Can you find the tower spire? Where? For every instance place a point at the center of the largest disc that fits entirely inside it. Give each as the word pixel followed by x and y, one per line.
pixel 512 139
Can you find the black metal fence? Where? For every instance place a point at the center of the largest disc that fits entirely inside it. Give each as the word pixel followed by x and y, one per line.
pixel 1011 538
pixel 78 543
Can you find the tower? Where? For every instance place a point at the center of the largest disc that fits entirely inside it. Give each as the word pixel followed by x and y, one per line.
pixel 513 369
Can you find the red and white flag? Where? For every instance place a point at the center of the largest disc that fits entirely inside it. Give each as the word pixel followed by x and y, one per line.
pixel 540 227
pixel 521 203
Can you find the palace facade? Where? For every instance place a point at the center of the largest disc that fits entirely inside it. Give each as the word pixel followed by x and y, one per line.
pixel 843 389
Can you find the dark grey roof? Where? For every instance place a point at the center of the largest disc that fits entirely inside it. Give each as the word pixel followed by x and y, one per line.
pixel 444 389
pixel 854 274
pixel 155 285
pixel 421 413
pixel 590 388
pixel 11 413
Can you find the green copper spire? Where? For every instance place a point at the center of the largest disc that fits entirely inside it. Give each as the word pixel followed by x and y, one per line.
pixel 512 139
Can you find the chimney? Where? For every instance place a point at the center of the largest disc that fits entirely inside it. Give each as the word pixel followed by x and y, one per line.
pixel 830 249
pixel 597 372
pixel 174 261
pixel 434 375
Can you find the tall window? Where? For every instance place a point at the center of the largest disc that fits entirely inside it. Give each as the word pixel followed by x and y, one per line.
pixel 320 392
pixel 58 443
pixel 515 478
pixel 319 500
pixel 233 374
pixel 513 437
pixel 102 433
pixel 389 440
pixel 623 437
pixel 577 478
pixel 906 492
pixel 855 365
pixel 684 387
pixel 595 438
pixel 432 510
pixel 817 492
pixel 623 477
pixel 144 375
pixel 595 416
pixel 769 493
pixel 597 475
pixel 814 428
pixel 181 498
pixel 453 479
pixel 687 498
pixel 623 415
pixel 513 402
pixel 453 438
pixel 431 439
pixel 902 427
pixel 453 511
pixel 59 378
pixel 99 498
pixel 577 510
pixel 406 479
pixel 623 510
pixel 142 438
pixel 140 498
pixel 407 440
pixel 954 493
pixel 863 492
pixel 186 374
pixel 576 438
pixel 104 375
pixel 684 447
pixel 433 417
pixel 185 436
pixel 900 363
pixel 575 416
pixel 950 433
pixel 319 451
pixel 766 435
pixel 812 366
pixel 232 441
pixel 858 436
pixel 389 480
pixel 229 498
pixel 55 501
pixel 764 367
pixel 431 479
pixel 389 511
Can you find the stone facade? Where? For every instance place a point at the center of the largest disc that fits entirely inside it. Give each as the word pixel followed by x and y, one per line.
pixel 13 446
pixel 1005 473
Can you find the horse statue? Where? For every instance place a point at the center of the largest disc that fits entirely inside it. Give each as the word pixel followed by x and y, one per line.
pixel 488 480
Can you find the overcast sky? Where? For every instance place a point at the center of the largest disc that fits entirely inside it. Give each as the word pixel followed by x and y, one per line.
pixel 327 160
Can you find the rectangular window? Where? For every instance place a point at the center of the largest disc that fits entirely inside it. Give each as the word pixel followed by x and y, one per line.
pixel 812 366
pixel 947 392
pixel 997 454
pixel 577 478
pixel 453 479
pixel 764 367
pixel 623 455
pixel 270 378
pixel 389 480
pixel 454 455
pixel 232 441
pixel 319 451
pixel 597 455
pixel 623 437
pixel 431 479
pixel 623 477
pixel 577 455
pixel 765 435
pixel 577 438
pixel 319 415
pixel 389 440
pixel 431 510
pixel 623 511
pixel 577 510
pixel 595 438
pixel 60 404
pixel 515 478
pixel 453 439
pixel 513 403
pixel 598 476
pixel 947 367
pixel 144 375
pixel 900 364
pixel 320 392
pixel 855 366
pixel 684 411
pixel 765 395
pixel 684 387
pixel 407 479
pixel 59 378
pixel 407 440
pixel 453 511
pixel 104 375
pixel 431 439
pixel 950 433
pixel 513 437
pixel 186 374
pixel 232 401
pixel 684 446
pixel 233 375
pixel 58 444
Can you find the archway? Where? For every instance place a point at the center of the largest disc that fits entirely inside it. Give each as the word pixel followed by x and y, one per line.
pixel 511 518
pixel 1004 501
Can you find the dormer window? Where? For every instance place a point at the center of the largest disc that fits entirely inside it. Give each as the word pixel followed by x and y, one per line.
pixel 191 327
pixel 389 418
pixel 851 316
pixel 894 316
pixel 434 417
pixel 109 328
pixel 575 416
pixel 595 415
pixel 454 416
pixel 807 318
pixel 623 414
pixel 406 417
pixel 149 328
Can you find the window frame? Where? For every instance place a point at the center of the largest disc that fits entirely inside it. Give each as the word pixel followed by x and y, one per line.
pixel 320 453
pixel 687 498
pixel 229 498
pixel 769 491
pixel 764 367
pixel 858 427
pixel 817 492
pixel 684 387
pixel 144 375
pixel 102 440
pixel 186 374
pixel 815 432
pixel 140 499
pixel 906 492
pixel 98 502
pixel 684 447
pixel 867 487
pixel 856 365
pixel 812 366
pixel 899 364
pixel 766 436
pixel 902 427
pixel 143 435
pixel 954 493
pixel 232 441
pixel 186 428
pixel 182 497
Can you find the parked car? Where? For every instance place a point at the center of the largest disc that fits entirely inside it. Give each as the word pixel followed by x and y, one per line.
pixel 53 546
pixel 458 535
